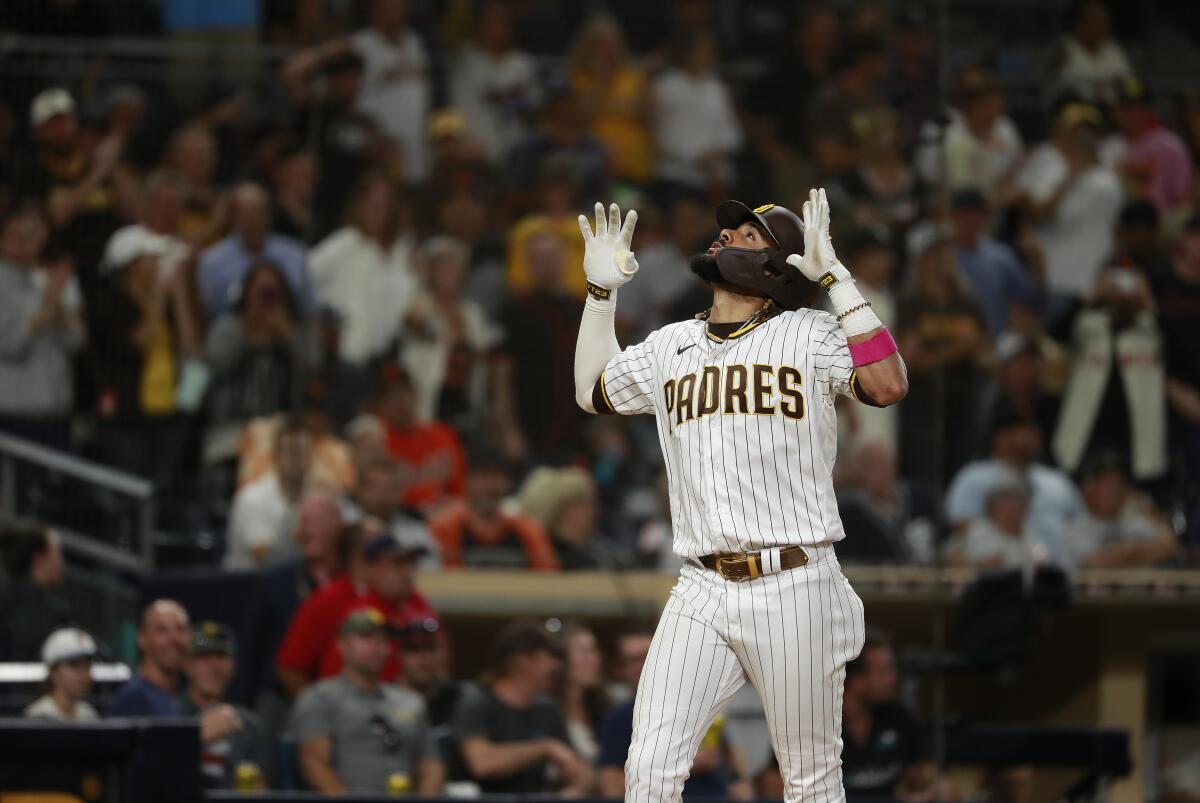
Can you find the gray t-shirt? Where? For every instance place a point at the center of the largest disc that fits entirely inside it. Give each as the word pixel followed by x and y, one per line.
pixel 44 707
pixel 372 735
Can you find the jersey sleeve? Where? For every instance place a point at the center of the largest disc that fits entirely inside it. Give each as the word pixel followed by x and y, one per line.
pixel 832 363
pixel 626 385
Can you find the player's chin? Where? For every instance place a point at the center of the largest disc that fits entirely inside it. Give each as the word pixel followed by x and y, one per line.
pixel 705 266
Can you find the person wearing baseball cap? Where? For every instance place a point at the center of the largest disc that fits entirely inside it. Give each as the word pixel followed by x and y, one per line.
pixel 359 734
pixel 68 655
pixel 382 575
pixel 83 188
pixel 231 735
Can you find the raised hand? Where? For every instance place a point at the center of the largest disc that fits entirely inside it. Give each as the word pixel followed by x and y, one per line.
pixel 608 260
pixel 819 258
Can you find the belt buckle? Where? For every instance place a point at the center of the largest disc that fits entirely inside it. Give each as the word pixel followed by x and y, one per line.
pixel 722 560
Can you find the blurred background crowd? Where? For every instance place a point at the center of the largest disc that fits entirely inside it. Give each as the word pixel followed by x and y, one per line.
pixel 313 269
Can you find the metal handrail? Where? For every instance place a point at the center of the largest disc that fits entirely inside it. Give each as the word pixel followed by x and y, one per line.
pixel 95 473
pixel 141 490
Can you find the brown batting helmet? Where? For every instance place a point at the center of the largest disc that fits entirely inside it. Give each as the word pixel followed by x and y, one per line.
pixel 766 271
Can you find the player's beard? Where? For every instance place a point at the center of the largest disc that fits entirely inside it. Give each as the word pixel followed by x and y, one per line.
pixel 705 266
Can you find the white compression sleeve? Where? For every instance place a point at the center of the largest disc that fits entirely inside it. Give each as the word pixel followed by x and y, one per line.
pixel 597 344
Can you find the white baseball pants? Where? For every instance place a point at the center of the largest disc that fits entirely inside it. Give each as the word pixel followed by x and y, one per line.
pixel 789 633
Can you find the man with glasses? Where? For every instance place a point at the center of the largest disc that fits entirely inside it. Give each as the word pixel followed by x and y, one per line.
pixel 358 734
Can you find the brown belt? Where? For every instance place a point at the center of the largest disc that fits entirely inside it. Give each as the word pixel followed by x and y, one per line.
pixel 747 566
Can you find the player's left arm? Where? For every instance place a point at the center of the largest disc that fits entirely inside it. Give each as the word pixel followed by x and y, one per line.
pixel 880 377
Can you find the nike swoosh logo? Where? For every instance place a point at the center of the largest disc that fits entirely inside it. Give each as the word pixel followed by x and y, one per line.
pixel 682 349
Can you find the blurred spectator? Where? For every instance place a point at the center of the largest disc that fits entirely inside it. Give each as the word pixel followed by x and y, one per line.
pixel 458 161
pixel 616 730
pixel 509 732
pixel 265 510
pixel 378 503
pixel 222 269
pixel 40 329
pixel 164 638
pixel 884 753
pixel 383 578
pixel 335 386
pixel 1121 527
pixel 494 84
pixel 562 133
pixel 980 147
pixel 1178 295
pixel 362 272
pixel 782 98
pixel 395 85
pixel 477 533
pixel 882 187
pixel 914 80
pixel 348 141
pixel 564 501
pixel 1153 159
pixel 426 652
pixel 840 112
pixel 696 129
pixel 332 461
pixel 323 546
pixel 1138 241
pixel 615 91
pixel 1073 199
pixel 1021 382
pixel 664 262
pixel 555 213
pixel 991 268
pixel 1116 396
pixel 768 783
pixel 582 695
pixel 1016 443
pixel 293 185
pixel 86 191
pixel 32 603
pixel 360 734
pixel 1009 784
pixel 944 340
pixel 259 356
pixel 191 154
pixel 68 655
pixel 1088 61
pixel 538 357
pixel 448 341
pixel 1001 538
pixel 428 454
pixel 888 519
pixel 227 748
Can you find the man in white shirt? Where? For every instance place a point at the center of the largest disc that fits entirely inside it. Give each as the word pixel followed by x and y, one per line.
pixel 1121 527
pixel 265 512
pixel 494 85
pixel 395 88
pixel 1001 539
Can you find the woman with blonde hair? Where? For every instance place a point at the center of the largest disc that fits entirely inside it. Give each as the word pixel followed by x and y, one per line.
pixel 564 501
pixel 616 93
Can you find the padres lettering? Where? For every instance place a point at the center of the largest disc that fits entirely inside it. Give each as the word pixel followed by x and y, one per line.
pixel 738 390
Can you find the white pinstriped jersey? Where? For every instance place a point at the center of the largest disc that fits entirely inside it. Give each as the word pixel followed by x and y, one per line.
pixel 747 427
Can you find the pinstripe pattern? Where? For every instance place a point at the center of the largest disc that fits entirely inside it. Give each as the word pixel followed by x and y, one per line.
pixel 790 634
pixel 746 482
pixel 735 479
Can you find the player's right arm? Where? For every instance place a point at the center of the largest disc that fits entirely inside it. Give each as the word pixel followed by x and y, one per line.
pixel 608 263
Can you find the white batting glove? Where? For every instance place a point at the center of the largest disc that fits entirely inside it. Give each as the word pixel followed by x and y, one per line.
pixel 819 263
pixel 608 261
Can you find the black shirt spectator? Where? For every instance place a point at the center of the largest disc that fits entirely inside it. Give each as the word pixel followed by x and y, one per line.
pixel 884 754
pixel 887 518
pixel 32 604
pixel 512 711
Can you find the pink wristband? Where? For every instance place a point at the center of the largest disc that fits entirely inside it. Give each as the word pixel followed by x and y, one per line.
pixel 880 347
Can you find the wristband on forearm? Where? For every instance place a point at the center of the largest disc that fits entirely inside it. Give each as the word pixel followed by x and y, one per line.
pixel 879 347
pixel 600 293
pixel 853 312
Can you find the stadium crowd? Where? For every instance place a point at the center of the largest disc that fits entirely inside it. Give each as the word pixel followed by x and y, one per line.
pixel 329 308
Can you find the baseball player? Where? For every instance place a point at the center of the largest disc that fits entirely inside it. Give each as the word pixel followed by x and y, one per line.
pixel 744 401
